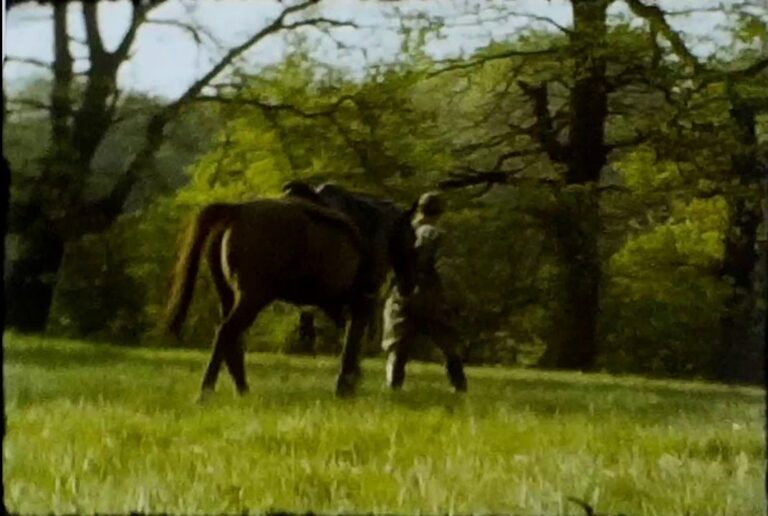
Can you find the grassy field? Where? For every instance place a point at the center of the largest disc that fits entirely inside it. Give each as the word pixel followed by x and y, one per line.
pixel 101 428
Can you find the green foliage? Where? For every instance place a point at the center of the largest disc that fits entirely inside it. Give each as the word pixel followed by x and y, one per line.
pixel 752 27
pixel 644 172
pixel 501 286
pixel 97 266
pixel 663 303
pixel 113 285
pixel 109 430
pixel 21 147
pixel 242 166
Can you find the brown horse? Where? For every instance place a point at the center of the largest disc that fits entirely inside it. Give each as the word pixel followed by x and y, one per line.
pixel 289 250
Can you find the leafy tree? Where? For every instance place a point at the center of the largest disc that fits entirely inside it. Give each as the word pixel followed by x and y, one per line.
pixel 55 212
pixel 743 88
pixel 607 71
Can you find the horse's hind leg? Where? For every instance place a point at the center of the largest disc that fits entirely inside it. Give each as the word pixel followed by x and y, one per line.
pixel 242 317
pixel 215 257
pixel 350 358
pixel 228 348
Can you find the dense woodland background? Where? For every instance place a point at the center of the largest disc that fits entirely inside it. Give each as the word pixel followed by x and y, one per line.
pixel 606 185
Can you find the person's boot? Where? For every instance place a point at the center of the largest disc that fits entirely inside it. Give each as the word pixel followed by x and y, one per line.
pixel 395 370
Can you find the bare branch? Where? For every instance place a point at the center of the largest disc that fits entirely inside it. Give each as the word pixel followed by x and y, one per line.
pixel 472 178
pixel 272 107
pixel 93 36
pixel 318 22
pixel 544 19
pixel 277 25
pixel 461 64
pixel 79 41
pixel 29 61
pixel 655 17
pixel 736 7
pixel 754 69
pixel 61 106
pixel 194 30
pixel 490 143
pixel 155 132
pixel 441 20
pixel 543 130
pixel 139 14
pixel 518 153
pixel 36 104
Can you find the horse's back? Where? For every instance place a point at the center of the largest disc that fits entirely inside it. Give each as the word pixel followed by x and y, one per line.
pixel 376 219
pixel 291 249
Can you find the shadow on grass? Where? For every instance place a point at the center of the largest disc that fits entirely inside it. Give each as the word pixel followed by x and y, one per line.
pixel 158 379
pixel 555 398
pixel 288 381
pixel 79 355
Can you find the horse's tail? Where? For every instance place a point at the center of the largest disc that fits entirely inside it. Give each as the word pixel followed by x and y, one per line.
pixel 185 270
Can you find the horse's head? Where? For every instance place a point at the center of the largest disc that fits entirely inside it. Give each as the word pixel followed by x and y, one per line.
pixel 402 251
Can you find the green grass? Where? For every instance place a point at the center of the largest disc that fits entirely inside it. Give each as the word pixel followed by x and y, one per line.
pixel 97 428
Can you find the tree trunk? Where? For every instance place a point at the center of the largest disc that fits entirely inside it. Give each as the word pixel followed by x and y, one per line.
pixel 32 279
pixel 575 342
pixel 5 189
pixel 578 223
pixel 761 283
pixel 5 198
pixel 29 290
pixel 741 358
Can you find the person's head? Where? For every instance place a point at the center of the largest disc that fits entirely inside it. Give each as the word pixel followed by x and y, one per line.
pixel 429 206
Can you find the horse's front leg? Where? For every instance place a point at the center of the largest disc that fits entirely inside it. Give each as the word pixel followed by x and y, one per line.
pixel 349 375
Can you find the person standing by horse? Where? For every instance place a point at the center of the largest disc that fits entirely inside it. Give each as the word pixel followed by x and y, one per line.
pixel 425 311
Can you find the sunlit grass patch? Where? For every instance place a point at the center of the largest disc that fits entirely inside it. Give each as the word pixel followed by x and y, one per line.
pixel 97 428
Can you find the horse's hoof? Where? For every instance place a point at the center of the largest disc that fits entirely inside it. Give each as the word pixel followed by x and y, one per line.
pixel 344 390
pixel 204 396
pixel 460 389
pixel 345 386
